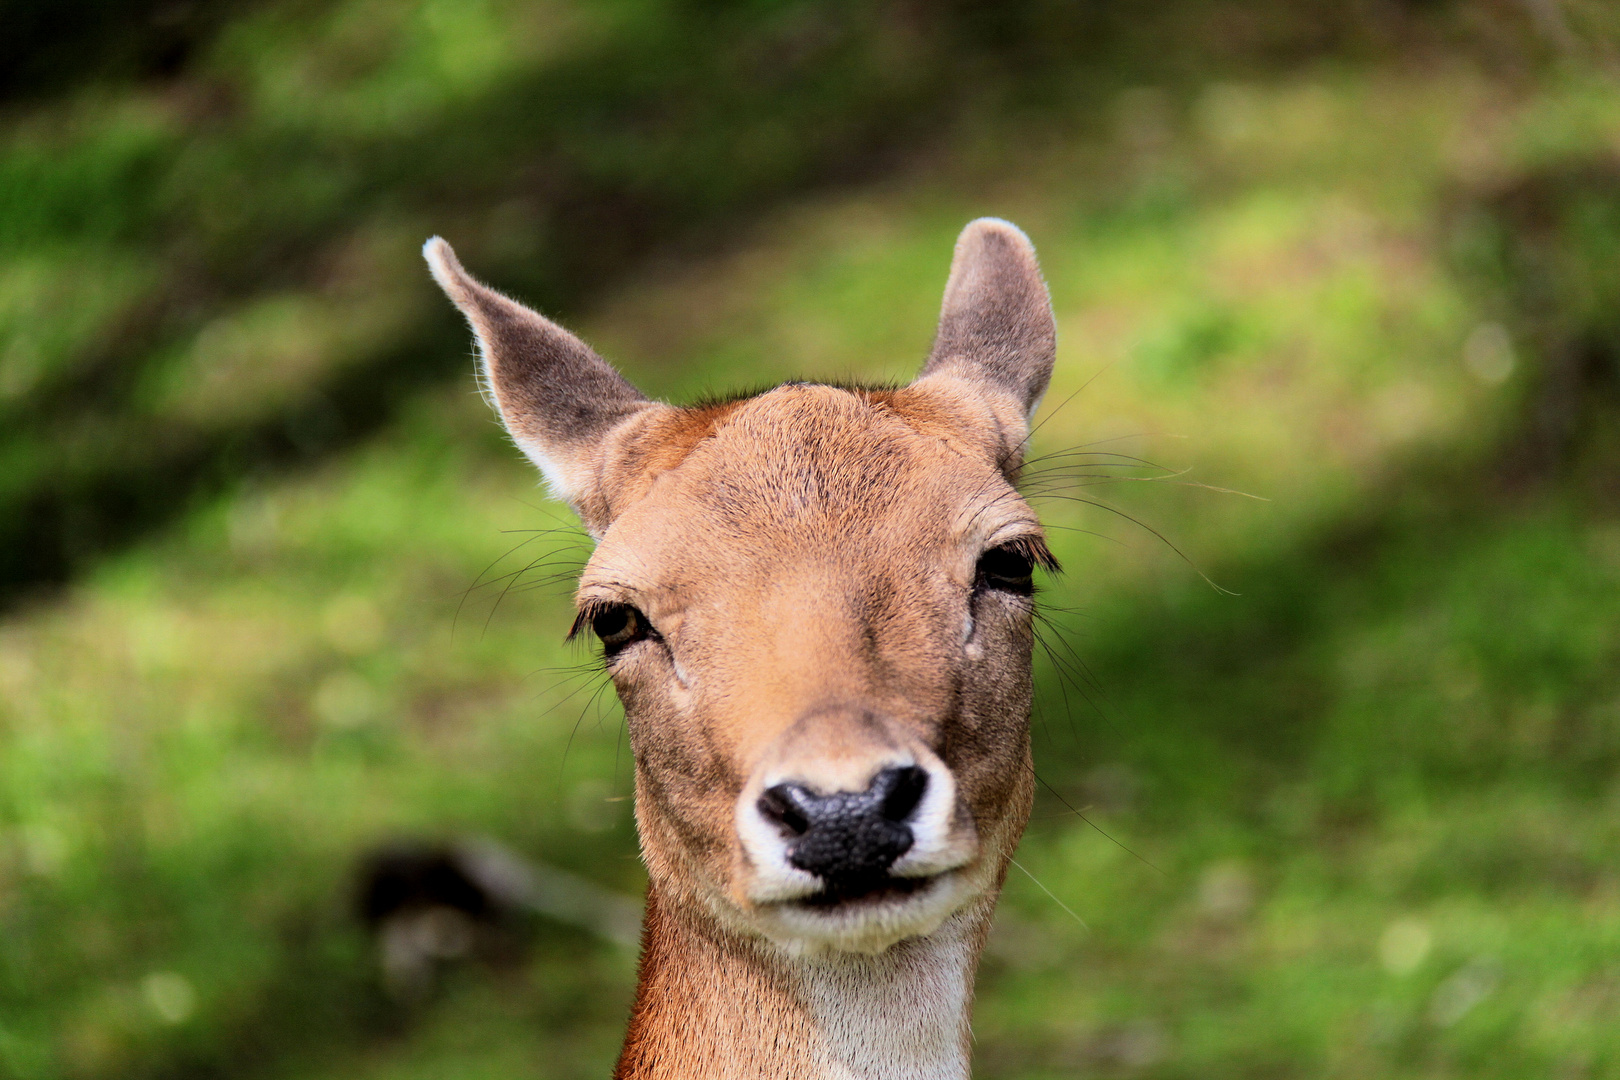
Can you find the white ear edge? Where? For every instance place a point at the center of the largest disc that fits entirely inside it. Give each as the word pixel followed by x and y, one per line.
pixel 559 485
pixel 1035 407
pixel 446 270
pixel 440 259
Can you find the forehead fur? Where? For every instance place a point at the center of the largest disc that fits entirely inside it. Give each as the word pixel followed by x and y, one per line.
pixel 809 469
pixel 812 445
pixel 809 451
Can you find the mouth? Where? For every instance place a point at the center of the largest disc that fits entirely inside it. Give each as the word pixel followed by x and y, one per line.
pixel 866 914
pixel 865 892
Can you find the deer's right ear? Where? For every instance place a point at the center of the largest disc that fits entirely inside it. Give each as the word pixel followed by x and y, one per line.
pixel 563 405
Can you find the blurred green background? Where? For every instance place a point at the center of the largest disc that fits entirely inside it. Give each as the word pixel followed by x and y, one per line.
pixel 1331 767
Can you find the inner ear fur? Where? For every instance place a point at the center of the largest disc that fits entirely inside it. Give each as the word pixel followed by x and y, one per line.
pixel 997 334
pixel 567 409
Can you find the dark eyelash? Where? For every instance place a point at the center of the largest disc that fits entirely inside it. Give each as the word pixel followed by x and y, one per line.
pixel 588 611
pixel 1035 550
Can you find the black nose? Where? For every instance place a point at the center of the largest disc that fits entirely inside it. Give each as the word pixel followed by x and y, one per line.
pixel 849 837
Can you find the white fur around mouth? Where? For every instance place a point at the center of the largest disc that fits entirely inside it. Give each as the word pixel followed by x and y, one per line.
pixel 866 924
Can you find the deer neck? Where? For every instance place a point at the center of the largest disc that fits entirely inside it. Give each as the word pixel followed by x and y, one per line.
pixel 716 1005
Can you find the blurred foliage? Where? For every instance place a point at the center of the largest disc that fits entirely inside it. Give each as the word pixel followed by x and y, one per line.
pixel 48 49
pixel 1357 820
pixel 204 207
pixel 203 226
pixel 1540 245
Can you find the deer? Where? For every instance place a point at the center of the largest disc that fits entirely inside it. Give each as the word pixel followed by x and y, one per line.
pixel 816 606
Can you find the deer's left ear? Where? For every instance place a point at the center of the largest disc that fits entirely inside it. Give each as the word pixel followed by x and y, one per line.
pixel 996 328
pixel 565 407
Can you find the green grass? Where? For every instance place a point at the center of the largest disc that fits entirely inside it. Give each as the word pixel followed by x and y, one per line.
pixel 1352 816
pixel 1414 794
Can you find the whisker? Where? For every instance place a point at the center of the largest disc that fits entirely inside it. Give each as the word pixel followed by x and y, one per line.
pixel 1099 828
pixel 1083 532
pixel 1145 526
pixel 562 767
pixel 1075 673
pixel 476 581
pixel 1065 402
pixel 1106 457
pixel 1050 893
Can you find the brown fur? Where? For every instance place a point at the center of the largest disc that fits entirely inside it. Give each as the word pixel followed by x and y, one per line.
pixel 807 557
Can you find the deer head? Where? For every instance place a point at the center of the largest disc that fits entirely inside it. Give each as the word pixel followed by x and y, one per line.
pixel 815 604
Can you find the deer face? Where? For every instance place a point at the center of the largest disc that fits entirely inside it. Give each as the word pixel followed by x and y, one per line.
pixel 815 605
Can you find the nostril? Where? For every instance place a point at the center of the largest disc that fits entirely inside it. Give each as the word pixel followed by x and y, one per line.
pixel 847 838
pixel 906 787
pixel 780 806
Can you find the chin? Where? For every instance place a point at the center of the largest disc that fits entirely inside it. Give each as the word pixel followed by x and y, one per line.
pixel 870 921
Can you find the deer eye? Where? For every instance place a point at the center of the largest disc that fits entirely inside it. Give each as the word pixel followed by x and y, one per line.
pixel 1005 568
pixel 618 625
